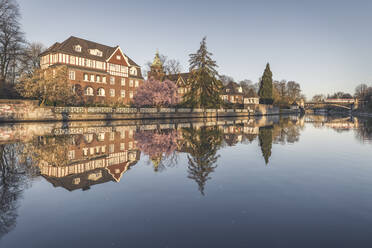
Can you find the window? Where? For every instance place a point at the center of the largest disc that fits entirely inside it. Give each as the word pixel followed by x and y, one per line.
pixel 131 94
pixel 91 150
pixel 71 154
pixel 133 71
pixel 112 136
pixel 92 78
pixel 76 181
pixel 101 136
pixel 180 90
pixel 122 93
pixel 136 83
pixel 85 151
pixel 112 92
pixel 103 79
pixel 85 77
pixel 112 80
pixel 111 148
pixel 130 145
pixel 103 148
pixel 101 92
pixel 98 79
pixel 95 52
pixel 122 81
pixel 72 60
pixel 118 57
pixel 77 48
pixel 131 83
pixel 89 91
pixel 122 146
pixel 71 75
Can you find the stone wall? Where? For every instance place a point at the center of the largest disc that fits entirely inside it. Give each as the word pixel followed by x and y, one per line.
pixel 24 110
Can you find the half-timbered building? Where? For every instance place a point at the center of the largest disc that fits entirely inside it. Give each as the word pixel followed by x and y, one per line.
pixel 100 73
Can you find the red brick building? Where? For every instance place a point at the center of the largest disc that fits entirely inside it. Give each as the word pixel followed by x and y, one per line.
pixel 100 73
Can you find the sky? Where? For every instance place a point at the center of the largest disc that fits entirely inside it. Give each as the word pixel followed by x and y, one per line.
pixel 324 45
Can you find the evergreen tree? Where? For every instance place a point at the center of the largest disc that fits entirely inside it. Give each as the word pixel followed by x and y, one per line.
pixel 266 86
pixel 204 86
pixel 265 138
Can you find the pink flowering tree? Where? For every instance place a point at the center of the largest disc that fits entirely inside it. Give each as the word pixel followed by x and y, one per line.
pixel 160 146
pixel 156 93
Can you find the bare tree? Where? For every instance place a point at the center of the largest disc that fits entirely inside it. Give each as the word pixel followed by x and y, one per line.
pixel 11 40
pixel 172 66
pixel 226 79
pixel 29 61
pixel 361 91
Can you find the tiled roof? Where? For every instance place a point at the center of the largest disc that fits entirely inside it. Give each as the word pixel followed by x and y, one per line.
pixel 68 47
pixel 174 77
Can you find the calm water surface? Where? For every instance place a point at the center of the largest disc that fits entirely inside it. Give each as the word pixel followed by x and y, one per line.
pixel 288 182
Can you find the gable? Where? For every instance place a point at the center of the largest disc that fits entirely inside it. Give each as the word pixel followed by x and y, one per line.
pixel 118 58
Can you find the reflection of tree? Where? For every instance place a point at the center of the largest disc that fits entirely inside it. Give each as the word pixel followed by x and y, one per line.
pixel 14 172
pixel 202 146
pixel 52 150
pixel 286 131
pixel 265 138
pixel 364 131
pixel 160 146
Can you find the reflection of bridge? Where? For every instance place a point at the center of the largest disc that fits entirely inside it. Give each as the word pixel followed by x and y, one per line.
pixel 331 103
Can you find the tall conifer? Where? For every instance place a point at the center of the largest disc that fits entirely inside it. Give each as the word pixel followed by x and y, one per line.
pixel 266 86
pixel 204 86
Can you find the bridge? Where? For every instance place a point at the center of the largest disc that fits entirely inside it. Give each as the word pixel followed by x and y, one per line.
pixel 348 104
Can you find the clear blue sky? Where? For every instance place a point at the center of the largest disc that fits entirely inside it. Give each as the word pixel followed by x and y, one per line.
pixel 326 46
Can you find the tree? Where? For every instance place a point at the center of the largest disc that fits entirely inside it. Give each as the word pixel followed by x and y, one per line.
pixel 225 80
pixel 155 93
pixel 29 60
pixel 204 86
pixel 172 66
pixel 266 86
pixel 265 138
pixel 319 98
pixel 49 86
pixel 11 41
pixel 361 91
pixel 293 91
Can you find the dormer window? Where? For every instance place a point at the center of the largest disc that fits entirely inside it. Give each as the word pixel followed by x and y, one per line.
pixel 118 57
pixel 95 52
pixel 133 71
pixel 77 48
pixel 240 89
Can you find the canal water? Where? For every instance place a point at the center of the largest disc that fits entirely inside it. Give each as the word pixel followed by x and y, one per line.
pixel 269 182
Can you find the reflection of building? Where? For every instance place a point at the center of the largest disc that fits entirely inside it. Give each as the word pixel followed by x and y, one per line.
pixel 100 73
pixel 95 157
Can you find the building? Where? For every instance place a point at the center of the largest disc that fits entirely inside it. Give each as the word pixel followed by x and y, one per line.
pixel 233 93
pixel 251 98
pixel 180 79
pixel 99 73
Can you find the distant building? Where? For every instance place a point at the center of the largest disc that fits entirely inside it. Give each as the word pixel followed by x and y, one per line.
pixel 251 98
pixel 100 73
pixel 233 93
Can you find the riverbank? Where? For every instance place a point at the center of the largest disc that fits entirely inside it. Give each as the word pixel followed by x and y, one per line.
pixel 27 110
